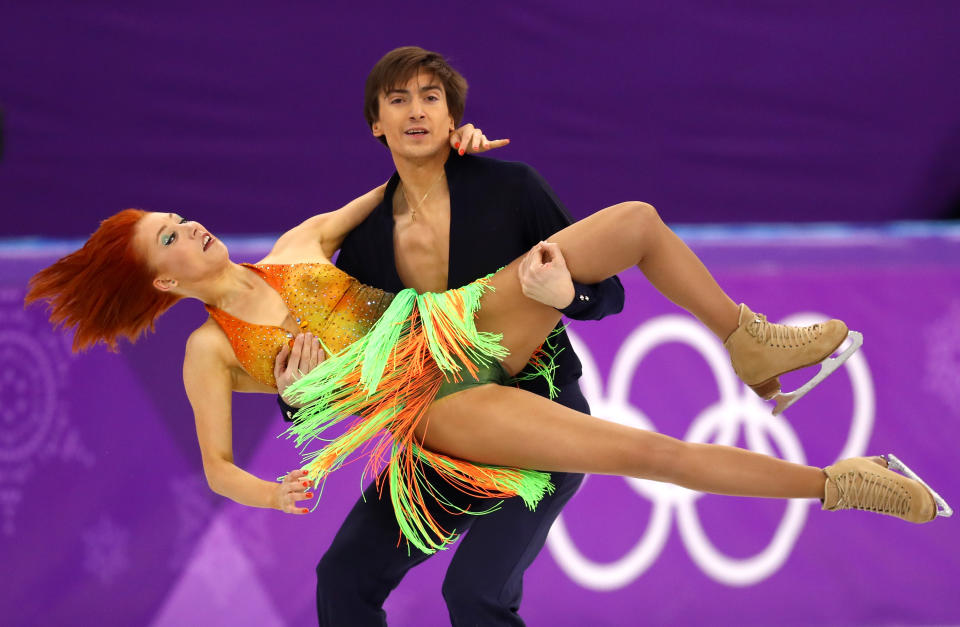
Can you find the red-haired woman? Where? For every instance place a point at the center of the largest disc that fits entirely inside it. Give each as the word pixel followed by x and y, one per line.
pixel 401 362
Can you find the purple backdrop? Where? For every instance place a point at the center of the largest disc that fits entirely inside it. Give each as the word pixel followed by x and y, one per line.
pixel 106 519
pixel 714 112
pixel 732 111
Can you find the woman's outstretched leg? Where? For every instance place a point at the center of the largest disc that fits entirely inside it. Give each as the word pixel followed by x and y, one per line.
pixel 632 233
pixel 509 427
pixel 505 426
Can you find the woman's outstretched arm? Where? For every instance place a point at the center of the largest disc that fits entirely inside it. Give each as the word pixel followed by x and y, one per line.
pixel 209 383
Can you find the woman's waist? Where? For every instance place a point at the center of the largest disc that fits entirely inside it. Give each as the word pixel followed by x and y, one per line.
pixel 354 314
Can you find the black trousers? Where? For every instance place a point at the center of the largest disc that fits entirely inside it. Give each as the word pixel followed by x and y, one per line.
pixel 484 582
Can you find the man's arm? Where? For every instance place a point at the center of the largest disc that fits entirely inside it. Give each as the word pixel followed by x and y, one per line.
pixel 291 364
pixel 544 215
pixel 330 228
pixel 367 252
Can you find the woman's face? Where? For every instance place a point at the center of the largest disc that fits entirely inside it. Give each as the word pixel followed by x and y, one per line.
pixel 179 251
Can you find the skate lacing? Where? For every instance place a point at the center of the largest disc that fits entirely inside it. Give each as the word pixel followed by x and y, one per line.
pixel 781 335
pixel 871 492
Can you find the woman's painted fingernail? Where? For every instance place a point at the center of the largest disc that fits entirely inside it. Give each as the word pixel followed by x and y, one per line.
pixel 306 484
pixel 461 152
pixel 304 510
pixel 456 145
pixel 309 495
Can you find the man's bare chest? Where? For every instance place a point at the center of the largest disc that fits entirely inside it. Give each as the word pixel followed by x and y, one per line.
pixel 422 251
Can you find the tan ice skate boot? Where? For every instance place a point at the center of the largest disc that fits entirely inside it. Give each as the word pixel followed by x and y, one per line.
pixel 866 483
pixel 761 351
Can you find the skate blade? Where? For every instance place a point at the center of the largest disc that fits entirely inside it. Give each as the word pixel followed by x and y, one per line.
pixel 827 367
pixel 895 464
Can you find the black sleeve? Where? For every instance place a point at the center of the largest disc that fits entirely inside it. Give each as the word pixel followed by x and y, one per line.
pixel 286 411
pixel 350 259
pixel 366 253
pixel 544 215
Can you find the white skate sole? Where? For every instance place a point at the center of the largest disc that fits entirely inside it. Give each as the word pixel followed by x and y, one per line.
pixel 895 464
pixel 827 367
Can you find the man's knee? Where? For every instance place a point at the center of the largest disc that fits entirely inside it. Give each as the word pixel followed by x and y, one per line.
pixel 343 580
pixel 334 574
pixel 467 595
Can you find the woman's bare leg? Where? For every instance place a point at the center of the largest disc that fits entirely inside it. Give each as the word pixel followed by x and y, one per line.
pixel 595 248
pixel 632 233
pixel 509 427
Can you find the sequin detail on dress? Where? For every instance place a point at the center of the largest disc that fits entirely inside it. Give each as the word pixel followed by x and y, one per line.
pixel 321 299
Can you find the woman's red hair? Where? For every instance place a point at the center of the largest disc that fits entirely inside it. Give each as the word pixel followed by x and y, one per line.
pixel 105 289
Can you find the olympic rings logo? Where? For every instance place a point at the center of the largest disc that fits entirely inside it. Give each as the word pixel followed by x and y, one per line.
pixel 737 409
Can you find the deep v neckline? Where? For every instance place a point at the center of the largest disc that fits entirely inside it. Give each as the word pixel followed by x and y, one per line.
pixel 267 278
pixel 388 221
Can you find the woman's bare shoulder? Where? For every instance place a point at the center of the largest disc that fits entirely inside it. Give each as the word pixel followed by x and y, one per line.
pixel 208 341
pixel 296 246
pixel 209 357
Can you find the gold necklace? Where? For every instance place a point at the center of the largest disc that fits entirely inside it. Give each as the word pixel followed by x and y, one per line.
pixel 413 210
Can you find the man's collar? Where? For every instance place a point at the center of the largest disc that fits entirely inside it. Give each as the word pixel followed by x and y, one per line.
pixel 453 164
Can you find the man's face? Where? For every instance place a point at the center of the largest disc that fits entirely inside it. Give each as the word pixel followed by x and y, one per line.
pixel 414 118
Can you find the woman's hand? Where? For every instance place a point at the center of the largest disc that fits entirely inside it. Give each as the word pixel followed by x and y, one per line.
pixel 293 488
pixel 293 363
pixel 469 139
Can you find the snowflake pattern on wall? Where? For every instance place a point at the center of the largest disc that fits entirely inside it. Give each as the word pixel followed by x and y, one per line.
pixel 943 357
pixel 35 425
pixel 106 550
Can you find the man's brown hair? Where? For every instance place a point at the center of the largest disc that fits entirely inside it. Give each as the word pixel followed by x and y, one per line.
pixel 398 66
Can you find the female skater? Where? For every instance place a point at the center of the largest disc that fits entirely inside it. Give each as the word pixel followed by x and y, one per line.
pixel 424 373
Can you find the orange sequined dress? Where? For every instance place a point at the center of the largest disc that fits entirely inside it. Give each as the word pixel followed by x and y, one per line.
pixel 322 299
pixel 388 356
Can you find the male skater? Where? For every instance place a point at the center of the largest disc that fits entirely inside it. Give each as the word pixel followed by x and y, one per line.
pixel 448 219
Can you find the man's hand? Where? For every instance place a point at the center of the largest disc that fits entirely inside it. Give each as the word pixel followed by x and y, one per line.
pixel 544 276
pixel 293 363
pixel 469 139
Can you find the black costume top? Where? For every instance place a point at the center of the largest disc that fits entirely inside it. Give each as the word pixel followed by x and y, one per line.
pixel 498 211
